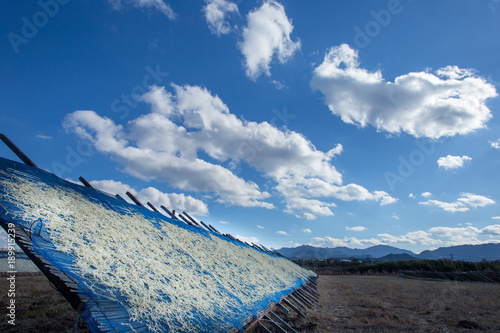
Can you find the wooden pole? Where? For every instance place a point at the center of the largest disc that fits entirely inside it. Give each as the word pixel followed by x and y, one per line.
pixel 153 207
pixel 85 182
pixel 134 199
pixel 172 215
pixel 190 218
pixel 17 151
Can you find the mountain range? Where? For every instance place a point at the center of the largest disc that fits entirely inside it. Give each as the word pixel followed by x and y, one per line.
pixel 480 252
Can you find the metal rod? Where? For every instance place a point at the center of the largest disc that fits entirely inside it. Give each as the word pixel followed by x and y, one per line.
pixel 311 291
pixel 304 300
pixel 230 237
pixel 265 248
pixel 294 299
pixel 153 207
pixel 258 247
pixel 280 321
pixel 186 220
pixel 17 151
pixel 306 294
pixel 134 199
pixel 172 215
pixel 85 182
pixel 192 220
pixel 120 197
pixel 263 328
pixel 217 231
pixel 274 324
pixel 294 308
pixel 206 226
pixel 283 308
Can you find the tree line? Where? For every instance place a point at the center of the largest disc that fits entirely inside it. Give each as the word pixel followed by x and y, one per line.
pixel 336 266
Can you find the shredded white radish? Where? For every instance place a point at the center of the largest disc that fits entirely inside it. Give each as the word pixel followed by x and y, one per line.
pixel 169 275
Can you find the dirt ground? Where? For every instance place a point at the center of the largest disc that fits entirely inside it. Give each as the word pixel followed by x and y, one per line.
pixel 349 303
pixel 354 303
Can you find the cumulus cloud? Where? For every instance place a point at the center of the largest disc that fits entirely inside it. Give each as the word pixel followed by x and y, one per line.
pixel 452 162
pixel 308 208
pixel 426 194
pixel 307 231
pixel 495 217
pixel 283 233
pixel 449 102
pixel 462 204
pixel 165 145
pixel 466 235
pixel 159 5
pixel 260 227
pixel 216 12
pixel 359 228
pixel 179 202
pixel 267 36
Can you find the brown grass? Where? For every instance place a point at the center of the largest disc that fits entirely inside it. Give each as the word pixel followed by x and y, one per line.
pixel 354 303
pixel 39 308
pixel 349 303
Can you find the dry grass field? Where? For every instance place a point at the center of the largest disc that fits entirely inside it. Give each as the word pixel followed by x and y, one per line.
pixel 349 303
pixel 356 303
pixel 39 308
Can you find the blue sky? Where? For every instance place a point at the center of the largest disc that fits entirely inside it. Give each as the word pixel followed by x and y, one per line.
pixel 331 123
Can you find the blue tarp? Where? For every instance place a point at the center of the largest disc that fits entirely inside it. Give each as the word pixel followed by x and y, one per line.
pixel 107 309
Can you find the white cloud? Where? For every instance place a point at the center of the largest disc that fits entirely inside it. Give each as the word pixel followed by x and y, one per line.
pixel 260 227
pixel 411 195
pixel 463 204
pixel 248 240
pixel 216 12
pixel 346 241
pixel 474 200
pixel 413 238
pixel 179 202
pixel 449 102
pixel 491 230
pixel 159 5
pixel 308 208
pixel 458 236
pixel 495 217
pixel 267 35
pixel 359 228
pixel 495 144
pixel 434 236
pixel 307 231
pixel 44 137
pixel 224 222
pixel 164 145
pixel 426 194
pixel 452 162
pixel 282 233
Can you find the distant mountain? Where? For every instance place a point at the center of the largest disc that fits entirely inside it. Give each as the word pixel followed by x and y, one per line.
pixel 396 257
pixel 464 252
pixel 461 252
pixel 311 252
